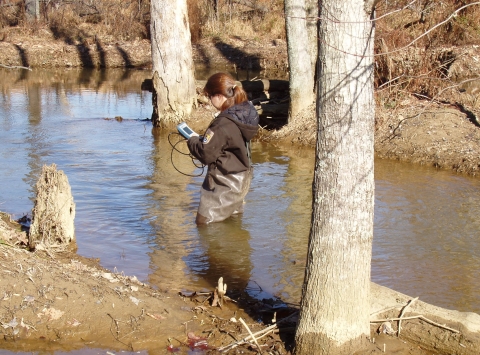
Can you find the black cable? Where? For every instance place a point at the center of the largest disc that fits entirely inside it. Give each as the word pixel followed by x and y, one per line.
pixel 194 160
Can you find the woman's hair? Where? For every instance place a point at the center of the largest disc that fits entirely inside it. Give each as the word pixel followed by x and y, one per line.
pixel 222 83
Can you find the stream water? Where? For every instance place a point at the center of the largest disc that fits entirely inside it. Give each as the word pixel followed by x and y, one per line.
pixel 135 211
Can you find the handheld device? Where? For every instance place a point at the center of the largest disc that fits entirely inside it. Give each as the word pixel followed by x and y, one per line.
pixel 186 131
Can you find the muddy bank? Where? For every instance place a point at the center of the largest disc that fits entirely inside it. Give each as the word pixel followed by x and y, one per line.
pixel 67 302
pixel 43 51
pixel 436 329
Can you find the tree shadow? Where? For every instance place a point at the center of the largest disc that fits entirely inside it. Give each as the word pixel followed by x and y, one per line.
pixel 23 55
pixel 125 56
pixel 25 63
pixel 85 55
pixel 79 41
pixel 204 58
pixel 233 55
pixel 101 53
pixel 238 57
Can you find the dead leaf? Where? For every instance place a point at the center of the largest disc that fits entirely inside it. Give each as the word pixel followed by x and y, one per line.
pixel 135 300
pixel 50 313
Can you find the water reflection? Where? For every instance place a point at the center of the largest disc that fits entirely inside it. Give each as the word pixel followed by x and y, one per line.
pixel 136 211
pixel 223 251
pixel 171 205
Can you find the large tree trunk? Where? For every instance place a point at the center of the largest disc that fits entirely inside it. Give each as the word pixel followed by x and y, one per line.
pixel 174 94
pixel 334 315
pixel 300 22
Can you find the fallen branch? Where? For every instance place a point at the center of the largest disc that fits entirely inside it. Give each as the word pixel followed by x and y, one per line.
pixel 384 310
pixel 250 332
pixel 417 317
pixel 15 67
pixel 403 312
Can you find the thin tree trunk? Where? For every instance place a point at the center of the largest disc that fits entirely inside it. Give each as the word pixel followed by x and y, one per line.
pixel 334 315
pixel 32 8
pixel 174 93
pixel 301 46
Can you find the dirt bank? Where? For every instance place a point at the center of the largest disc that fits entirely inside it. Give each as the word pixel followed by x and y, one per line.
pixel 66 302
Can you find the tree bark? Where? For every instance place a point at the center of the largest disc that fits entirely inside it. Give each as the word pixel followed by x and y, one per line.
pixel 32 9
pixel 334 314
pixel 302 50
pixel 54 210
pixel 174 94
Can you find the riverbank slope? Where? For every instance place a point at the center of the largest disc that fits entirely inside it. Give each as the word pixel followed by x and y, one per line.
pixel 64 302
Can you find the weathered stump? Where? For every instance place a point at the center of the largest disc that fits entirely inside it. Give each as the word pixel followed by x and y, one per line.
pixel 54 210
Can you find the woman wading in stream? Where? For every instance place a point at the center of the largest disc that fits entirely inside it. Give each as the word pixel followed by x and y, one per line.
pixel 225 149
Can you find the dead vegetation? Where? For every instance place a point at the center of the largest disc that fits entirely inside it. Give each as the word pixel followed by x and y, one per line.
pixel 422 50
pixel 64 300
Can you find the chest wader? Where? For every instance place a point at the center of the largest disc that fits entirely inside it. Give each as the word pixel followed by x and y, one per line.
pixel 223 194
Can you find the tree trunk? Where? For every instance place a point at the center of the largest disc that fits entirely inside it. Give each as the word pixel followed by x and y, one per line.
pixel 334 313
pixel 174 94
pixel 54 210
pixel 302 49
pixel 32 9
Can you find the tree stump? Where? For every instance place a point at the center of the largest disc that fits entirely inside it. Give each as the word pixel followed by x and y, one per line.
pixel 54 210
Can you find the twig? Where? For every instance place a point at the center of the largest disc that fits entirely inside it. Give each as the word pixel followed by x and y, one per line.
pixel 416 317
pixel 245 339
pixel 383 310
pixel 116 337
pixel 251 334
pixel 14 67
pixel 403 312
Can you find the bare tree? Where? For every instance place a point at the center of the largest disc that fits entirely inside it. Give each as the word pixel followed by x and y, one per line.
pixel 334 313
pixel 300 23
pixel 174 93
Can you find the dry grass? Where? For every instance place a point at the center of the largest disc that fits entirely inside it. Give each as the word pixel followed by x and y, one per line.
pixel 233 19
pixel 78 21
pixel 413 45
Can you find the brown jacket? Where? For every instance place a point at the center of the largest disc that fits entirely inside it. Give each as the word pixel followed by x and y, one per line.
pixel 224 143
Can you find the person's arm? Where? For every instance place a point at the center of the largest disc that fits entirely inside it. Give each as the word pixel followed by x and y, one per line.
pixel 208 149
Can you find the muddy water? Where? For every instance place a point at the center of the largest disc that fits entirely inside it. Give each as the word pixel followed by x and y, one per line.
pixel 136 200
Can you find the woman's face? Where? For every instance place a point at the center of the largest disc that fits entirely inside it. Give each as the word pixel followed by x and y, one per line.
pixel 217 101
